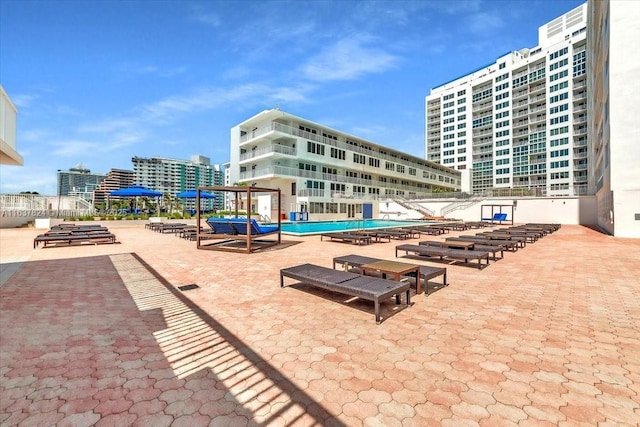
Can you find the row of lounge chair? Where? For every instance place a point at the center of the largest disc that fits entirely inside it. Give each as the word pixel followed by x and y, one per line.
pixel 366 237
pixel 482 246
pixel 67 234
pixel 350 281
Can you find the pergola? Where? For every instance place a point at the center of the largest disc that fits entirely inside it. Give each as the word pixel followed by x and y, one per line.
pixel 245 243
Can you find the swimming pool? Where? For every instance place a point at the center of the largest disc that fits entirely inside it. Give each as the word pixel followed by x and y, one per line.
pixel 309 228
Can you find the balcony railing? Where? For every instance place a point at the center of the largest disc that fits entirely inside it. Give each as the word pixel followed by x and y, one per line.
pixel 328 141
pixel 266 172
pixel 273 148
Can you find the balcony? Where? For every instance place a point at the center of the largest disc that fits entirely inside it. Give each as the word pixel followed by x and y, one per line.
pixel 538 118
pixel 520 94
pixel 262 151
pixel 520 123
pixel 536 89
pixel 579 85
pixel 312 192
pixel 479 133
pixel 276 170
pixel 483 107
pixel 520 113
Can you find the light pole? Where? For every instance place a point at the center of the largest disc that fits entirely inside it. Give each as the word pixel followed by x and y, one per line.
pixel 59 192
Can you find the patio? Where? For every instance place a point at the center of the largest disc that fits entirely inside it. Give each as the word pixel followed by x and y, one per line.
pixel 102 335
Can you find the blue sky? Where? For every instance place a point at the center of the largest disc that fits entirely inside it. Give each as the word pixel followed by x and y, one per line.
pixel 98 82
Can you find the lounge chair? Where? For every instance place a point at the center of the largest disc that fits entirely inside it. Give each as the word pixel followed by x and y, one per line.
pixel 426 272
pixel 78 237
pixel 255 229
pixel 221 226
pixel 494 249
pixel 359 239
pixel 344 282
pixel 441 253
pixel 497 217
pixel 507 244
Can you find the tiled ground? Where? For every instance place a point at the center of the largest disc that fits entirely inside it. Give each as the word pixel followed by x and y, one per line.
pixel 101 335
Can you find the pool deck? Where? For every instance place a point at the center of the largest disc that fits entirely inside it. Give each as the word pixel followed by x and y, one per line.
pixel 103 335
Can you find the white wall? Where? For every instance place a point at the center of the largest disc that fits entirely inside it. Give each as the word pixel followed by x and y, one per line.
pixel 568 210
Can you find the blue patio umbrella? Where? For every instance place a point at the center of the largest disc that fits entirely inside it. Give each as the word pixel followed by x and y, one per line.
pixel 191 194
pixel 135 191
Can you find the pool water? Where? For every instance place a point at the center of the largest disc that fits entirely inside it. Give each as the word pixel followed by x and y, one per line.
pixel 307 228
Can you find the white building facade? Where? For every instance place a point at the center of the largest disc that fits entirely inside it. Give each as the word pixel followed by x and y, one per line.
pixel 614 132
pixel 520 122
pixel 172 176
pixel 325 172
pixel 8 115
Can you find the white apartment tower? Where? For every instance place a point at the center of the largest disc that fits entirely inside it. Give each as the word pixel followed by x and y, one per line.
pixel 614 133
pixel 325 172
pixel 172 176
pixel 520 122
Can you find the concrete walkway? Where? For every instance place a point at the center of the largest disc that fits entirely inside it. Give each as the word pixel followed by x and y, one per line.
pixel 103 335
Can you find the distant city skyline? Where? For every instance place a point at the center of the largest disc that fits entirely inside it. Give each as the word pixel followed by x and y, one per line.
pixel 98 83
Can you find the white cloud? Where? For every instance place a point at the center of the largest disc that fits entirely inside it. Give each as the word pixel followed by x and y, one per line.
pixel 23 100
pixel 484 22
pixel 149 70
pixel 346 60
pixel 36 177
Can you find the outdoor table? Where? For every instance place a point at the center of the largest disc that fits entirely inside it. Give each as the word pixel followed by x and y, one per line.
pixel 396 269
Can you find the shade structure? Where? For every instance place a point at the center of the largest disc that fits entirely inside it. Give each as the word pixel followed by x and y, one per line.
pixel 191 194
pixel 135 191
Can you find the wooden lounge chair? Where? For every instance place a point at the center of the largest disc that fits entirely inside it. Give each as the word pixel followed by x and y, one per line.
pixel 493 249
pixel 442 253
pixel 355 238
pixel 69 239
pixel 353 284
pixel 507 244
pixel 396 233
pixel 501 236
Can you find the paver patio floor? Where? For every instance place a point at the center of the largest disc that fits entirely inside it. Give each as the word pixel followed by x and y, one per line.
pixel 102 335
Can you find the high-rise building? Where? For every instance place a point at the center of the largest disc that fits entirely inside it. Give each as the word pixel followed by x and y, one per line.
pixel 172 176
pixel 521 121
pixel 115 180
pixel 79 181
pixel 326 172
pixel 218 181
pixel 614 133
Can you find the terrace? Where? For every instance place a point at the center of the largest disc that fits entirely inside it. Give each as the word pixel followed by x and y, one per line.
pixel 115 334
